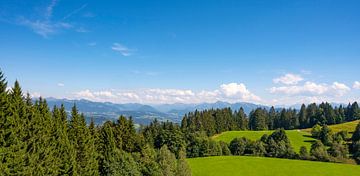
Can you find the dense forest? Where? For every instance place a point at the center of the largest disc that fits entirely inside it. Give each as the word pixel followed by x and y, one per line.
pixel 37 140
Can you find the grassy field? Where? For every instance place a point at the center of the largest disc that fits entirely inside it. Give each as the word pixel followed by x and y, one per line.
pixel 348 126
pixel 297 138
pixel 256 166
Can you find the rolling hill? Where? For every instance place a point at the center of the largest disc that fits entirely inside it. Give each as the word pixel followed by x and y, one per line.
pixel 259 166
pixel 348 126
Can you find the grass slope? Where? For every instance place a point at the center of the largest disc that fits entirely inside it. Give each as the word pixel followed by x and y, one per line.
pixel 257 166
pixel 348 126
pixel 297 138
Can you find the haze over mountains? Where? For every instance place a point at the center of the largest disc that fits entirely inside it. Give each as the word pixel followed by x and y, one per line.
pixel 143 114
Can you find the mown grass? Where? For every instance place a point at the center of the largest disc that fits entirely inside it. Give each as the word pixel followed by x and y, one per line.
pixel 348 126
pixel 297 138
pixel 259 166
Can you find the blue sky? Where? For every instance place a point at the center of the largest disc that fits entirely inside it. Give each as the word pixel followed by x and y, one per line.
pixel 269 52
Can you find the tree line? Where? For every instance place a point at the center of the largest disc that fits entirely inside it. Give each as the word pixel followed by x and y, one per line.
pixel 215 121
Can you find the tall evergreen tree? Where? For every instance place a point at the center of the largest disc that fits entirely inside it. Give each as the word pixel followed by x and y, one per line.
pixel 303 119
pixel 84 144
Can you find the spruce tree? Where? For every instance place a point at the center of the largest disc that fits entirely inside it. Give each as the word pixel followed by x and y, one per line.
pixel 83 143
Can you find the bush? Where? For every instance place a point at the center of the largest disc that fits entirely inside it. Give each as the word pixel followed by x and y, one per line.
pixel 318 150
pixel 238 146
pixel 338 150
pixel 225 148
pixel 304 155
pixel 315 131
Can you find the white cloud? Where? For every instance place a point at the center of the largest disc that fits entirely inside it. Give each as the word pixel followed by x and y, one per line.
pixel 288 79
pixel 44 25
pixel 340 88
pixel 49 9
pixel 60 84
pixel 122 49
pixel 86 94
pixel 311 88
pixel 232 92
pixel 356 85
pixel 35 94
pixel 234 89
pixel 44 28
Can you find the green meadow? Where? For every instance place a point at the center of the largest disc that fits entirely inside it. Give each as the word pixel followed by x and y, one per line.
pixel 297 138
pixel 348 126
pixel 259 166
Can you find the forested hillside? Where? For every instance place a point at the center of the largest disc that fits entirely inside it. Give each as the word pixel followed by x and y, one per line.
pixel 37 141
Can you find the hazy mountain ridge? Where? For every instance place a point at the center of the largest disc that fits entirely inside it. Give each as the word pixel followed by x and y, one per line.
pixel 144 114
pixel 141 113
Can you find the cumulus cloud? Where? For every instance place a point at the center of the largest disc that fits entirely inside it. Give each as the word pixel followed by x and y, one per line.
pixel 311 88
pixel 122 49
pixel 288 79
pixel 356 85
pixel 232 92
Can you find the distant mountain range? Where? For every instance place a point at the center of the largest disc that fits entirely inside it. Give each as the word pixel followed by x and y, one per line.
pixel 142 114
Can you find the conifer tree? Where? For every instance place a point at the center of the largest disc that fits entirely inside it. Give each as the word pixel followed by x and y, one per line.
pixel 12 146
pixel 65 151
pixel 167 161
pixel 83 143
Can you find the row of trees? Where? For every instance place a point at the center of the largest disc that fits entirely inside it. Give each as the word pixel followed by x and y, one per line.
pixel 37 141
pixel 215 121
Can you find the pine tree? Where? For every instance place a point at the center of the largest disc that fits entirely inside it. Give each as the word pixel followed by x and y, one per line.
pixel 41 150
pixel 65 151
pixel 303 120
pixel 12 146
pixel 83 143
pixel 258 120
pixel 356 135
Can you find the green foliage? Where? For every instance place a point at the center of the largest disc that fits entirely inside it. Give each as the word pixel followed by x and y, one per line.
pixel 326 135
pixel 304 154
pixel 183 168
pixel 338 151
pixel 356 135
pixel 225 148
pixel 167 161
pixel 238 146
pixel 356 150
pixel 315 131
pixel 258 120
pixel 318 150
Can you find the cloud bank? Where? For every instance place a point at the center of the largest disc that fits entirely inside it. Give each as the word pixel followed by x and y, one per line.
pixel 232 92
